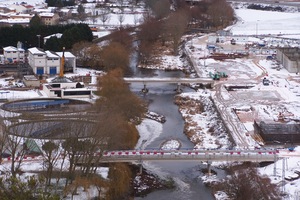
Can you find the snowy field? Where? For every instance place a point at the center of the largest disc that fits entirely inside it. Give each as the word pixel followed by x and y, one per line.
pixel 252 22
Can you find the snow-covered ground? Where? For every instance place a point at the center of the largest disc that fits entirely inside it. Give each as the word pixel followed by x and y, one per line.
pixel 251 22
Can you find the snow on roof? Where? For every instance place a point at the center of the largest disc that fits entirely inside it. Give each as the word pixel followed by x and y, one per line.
pixel 58 35
pixel 35 51
pixel 64 10
pixel 20 15
pixel 15 21
pixel 51 54
pixel 43 10
pixel 67 54
pixel 46 14
pixel 10 48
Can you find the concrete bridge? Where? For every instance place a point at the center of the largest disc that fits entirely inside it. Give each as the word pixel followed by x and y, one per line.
pixel 177 81
pixel 207 156
pixel 190 155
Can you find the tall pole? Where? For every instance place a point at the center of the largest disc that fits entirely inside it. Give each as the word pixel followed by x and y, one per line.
pixel 39 42
pixel 257 27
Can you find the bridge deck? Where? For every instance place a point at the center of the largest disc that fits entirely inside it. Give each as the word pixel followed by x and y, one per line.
pixel 193 155
pixel 169 80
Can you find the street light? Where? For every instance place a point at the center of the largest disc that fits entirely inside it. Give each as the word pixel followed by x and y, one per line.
pixel 38 40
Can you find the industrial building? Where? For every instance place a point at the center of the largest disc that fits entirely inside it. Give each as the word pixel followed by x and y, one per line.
pixel 278 132
pixel 289 58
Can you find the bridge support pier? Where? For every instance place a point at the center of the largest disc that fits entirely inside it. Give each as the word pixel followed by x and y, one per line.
pixel 145 89
pixel 178 89
pixel 141 168
pixel 209 167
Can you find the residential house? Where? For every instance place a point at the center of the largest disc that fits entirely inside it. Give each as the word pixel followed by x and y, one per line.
pixel 49 18
pixel 20 16
pixel 11 22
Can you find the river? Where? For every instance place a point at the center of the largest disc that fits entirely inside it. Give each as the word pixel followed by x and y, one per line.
pixel 186 175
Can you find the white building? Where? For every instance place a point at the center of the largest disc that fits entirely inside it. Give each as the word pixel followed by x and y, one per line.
pixel 52 63
pixel 37 59
pixel 13 55
pixel 70 61
pixel 65 88
pixel 48 62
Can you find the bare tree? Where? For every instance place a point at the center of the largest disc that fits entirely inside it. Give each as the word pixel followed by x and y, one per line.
pixel 115 55
pixel 120 177
pixel 121 18
pixel 220 13
pixel 244 182
pixel 17 145
pixel 50 156
pixel 104 16
pixel 82 52
pixel 3 137
pixel 81 12
pixel 175 27
pixel 135 19
pixel 94 14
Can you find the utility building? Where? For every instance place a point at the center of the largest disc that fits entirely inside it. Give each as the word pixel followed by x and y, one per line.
pixel 47 63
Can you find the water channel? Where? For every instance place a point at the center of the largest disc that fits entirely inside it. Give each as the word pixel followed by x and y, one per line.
pixel 186 175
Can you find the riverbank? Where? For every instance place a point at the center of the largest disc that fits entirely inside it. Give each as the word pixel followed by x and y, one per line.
pixel 202 123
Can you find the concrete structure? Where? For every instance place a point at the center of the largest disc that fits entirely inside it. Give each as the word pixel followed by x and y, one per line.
pixel 289 58
pixel 65 88
pixel 178 81
pixel 31 81
pixel 13 55
pixel 284 133
pixel 191 155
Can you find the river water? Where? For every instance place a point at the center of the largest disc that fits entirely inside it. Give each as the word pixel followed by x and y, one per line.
pixel 186 175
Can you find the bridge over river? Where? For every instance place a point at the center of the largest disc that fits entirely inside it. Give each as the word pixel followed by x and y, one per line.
pixel 207 156
pixel 191 155
pixel 178 81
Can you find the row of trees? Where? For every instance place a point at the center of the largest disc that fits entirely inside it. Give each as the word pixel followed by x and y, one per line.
pixel 108 57
pixel 72 33
pixel 168 26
